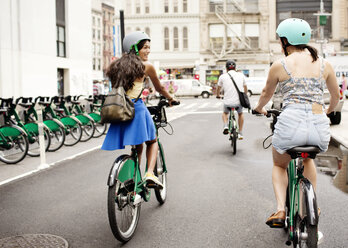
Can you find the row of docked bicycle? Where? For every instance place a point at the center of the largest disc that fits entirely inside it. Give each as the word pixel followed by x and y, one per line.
pixel 66 121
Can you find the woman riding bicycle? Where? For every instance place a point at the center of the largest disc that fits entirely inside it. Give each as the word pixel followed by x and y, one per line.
pixel 130 71
pixel 301 76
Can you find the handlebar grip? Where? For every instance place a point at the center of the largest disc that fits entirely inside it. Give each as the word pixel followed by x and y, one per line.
pixel 175 102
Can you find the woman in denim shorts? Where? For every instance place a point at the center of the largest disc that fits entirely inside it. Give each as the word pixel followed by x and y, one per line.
pixel 302 77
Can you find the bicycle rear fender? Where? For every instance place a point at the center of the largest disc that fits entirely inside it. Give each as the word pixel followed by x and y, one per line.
pixel 308 202
pixel 12 131
pixel 121 172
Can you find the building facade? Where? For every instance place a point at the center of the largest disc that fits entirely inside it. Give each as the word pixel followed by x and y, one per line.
pixel 108 34
pixel 173 26
pixel 45 52
pixel 97 41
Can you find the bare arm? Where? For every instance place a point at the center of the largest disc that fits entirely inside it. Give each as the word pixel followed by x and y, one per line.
pixel 218 91
pixel 269 88
pixel 332 86
pixel 151 72
pixel 245 89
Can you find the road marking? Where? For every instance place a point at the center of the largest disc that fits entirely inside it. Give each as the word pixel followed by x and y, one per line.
pixel 190 105
pixel 39 168
pixel 204 105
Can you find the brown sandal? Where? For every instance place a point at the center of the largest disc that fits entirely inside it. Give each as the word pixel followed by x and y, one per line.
pixel 276 220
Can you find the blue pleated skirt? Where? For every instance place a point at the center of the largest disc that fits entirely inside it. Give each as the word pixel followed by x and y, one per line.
pixel 133 132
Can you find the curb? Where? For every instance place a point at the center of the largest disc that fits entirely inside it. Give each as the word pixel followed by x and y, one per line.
pixel 339 140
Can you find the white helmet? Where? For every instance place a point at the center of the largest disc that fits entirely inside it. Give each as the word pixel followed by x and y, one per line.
pixel 132 40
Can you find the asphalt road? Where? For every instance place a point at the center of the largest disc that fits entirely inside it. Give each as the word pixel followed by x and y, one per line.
pixel 215 199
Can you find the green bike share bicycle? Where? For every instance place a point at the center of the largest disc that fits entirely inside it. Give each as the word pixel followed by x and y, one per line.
pixel 29 126
pixel 127 189
pixel 71 125
pixel 14 142
pixel 302 217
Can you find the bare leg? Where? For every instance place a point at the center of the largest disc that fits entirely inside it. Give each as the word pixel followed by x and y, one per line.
pixel 139 152
pixel 280 177
pixel 151 154
pixel 310 171
pixel 225 118
pixel 240 122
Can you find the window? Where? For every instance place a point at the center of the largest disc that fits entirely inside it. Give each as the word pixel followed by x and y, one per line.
pixel 93 64
pixel 137 7
pixel 93 18
pixel 93 33
pixel 98 34
pixel 166 6
pixel 166 38
pixel 184 38
pixel 214 3
pixel 137 29
pixel 147 31
pixel 60 28
pixel 147 6
pixel 98 22
pixel 99 64
pixel 175 7
pixel 176 39
pixel 184 6
pixel 61 41
pixel 129 6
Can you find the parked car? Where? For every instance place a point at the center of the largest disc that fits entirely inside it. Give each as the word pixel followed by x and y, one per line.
pixel 335 116
pixel 255 85
pixel 187 87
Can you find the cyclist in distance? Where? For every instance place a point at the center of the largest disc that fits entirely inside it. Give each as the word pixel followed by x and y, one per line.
pixel 301 76
pixel 231 97
pixel 130 71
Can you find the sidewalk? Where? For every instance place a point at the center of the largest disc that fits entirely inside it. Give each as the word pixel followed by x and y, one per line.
pixel 30 165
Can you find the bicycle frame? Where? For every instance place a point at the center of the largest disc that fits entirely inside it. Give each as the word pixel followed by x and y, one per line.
pixel 232 121
pixel 300 189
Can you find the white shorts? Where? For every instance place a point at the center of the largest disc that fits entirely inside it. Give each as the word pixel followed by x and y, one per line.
pixel 298 126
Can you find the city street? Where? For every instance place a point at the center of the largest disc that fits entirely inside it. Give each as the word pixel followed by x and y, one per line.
pixel 215 198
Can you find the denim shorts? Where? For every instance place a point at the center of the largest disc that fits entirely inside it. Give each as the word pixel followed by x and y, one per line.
pixel 297 125
pixel 237 107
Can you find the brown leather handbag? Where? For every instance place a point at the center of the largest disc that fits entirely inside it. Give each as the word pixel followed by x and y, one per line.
pixel 117 107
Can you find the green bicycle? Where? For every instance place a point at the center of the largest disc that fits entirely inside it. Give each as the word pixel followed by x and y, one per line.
pixel 301 208
pixel 127 190
pixel 14 142
pixel 30 127
pixel 95 103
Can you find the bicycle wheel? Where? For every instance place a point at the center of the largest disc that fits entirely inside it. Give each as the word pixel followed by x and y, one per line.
pixel 14 145
pixel 302 227
pixel 57 139
pixel 88 130
pixel 34 142
pixel 159 171
pixel 123 214
pixel 72 134
pixel 100 129
pixel 234 141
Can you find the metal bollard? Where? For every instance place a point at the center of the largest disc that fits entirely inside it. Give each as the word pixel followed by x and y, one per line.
pixel 43 163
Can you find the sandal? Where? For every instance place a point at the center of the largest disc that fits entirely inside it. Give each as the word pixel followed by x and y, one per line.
pixel 276 220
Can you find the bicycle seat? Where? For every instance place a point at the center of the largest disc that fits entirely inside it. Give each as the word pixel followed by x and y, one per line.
pixel 25 105
pixel 303 151
pixel 229 108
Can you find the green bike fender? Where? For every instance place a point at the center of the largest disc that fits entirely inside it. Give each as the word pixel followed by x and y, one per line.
pixel 70 122
pixel 83 119
pixel 32 127
pixel 52 125
pixel 12 131
pixel 96 117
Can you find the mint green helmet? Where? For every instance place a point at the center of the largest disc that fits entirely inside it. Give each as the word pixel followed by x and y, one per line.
pixel 296 31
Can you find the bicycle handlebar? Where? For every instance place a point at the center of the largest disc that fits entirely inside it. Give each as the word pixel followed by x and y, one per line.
pixel 269 112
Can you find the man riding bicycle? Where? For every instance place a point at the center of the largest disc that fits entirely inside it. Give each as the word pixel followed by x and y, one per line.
pixel 231 97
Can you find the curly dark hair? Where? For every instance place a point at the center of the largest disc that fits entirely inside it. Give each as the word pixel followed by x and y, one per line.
pixel 125 70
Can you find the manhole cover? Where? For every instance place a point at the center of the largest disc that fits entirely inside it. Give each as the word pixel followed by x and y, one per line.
pixel 33 241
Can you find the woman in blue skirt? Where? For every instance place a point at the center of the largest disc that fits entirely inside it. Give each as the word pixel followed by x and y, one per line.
pixel 130 71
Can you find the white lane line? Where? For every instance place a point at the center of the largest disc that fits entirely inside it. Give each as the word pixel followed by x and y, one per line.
pixel 190 105
pixel 204 105
pixel 39 168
